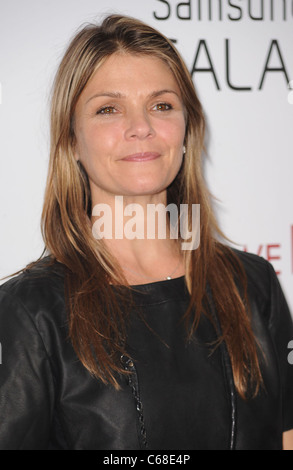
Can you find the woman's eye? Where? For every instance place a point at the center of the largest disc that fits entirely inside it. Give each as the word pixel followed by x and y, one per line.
pixel 107 110
pixel 162 107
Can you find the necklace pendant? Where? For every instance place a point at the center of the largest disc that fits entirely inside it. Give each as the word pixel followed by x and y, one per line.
pixel 168 278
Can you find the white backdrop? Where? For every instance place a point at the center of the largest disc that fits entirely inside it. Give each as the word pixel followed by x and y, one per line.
pixel 240 54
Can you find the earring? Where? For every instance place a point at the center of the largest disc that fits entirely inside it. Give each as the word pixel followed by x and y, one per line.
pixel 184 150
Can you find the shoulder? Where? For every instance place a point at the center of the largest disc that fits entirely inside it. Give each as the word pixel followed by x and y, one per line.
pixel 44 271
pixel 264 289
pixel 259 272
pixel 37 288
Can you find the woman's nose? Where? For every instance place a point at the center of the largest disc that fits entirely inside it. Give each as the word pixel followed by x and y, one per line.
pixel 139 125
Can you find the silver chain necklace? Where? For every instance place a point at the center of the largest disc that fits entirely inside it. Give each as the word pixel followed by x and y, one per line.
pixel 166 278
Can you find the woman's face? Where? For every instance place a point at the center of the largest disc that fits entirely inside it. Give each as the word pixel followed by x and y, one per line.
pixel 130 127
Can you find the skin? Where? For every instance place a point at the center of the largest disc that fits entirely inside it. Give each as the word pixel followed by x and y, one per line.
pixel 288 440
pixel 132 106
pixel 130 120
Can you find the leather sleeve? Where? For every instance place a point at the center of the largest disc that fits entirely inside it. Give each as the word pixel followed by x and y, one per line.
pixel 281 328
pixel 26 382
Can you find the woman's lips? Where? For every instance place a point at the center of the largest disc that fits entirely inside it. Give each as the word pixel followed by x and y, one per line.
pixel 141 157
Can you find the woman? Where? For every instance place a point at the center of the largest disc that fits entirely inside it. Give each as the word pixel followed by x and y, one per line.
pixel 113 341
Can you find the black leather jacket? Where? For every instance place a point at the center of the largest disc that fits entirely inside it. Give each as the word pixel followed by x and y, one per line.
pixel 48 400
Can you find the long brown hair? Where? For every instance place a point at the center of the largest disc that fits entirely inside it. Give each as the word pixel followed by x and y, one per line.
pixel 96 320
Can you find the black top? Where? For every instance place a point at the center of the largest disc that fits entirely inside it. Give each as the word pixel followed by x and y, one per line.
pixel 179 395
pixel 177 378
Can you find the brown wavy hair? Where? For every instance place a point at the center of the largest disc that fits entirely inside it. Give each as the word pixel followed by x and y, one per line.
pixel 97 325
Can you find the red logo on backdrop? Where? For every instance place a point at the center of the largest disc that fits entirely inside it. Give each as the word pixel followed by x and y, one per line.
pixel 272 251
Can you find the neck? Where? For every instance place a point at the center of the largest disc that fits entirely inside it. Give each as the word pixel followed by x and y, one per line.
pixel 131 219
pixel 144 261
pixel 137 233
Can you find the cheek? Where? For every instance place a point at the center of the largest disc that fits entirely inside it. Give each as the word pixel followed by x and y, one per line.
pixel 103 140
pixel 174 134
pixel 89 146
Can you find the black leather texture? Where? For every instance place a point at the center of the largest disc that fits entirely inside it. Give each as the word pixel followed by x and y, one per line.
pixel 179 395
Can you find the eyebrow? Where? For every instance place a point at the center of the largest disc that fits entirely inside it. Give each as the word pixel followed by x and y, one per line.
pixel 118 95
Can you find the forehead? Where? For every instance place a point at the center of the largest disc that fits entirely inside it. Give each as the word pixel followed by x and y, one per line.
pixel 132 72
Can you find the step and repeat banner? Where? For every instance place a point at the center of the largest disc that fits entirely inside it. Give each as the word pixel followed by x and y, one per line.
pixel 240 56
